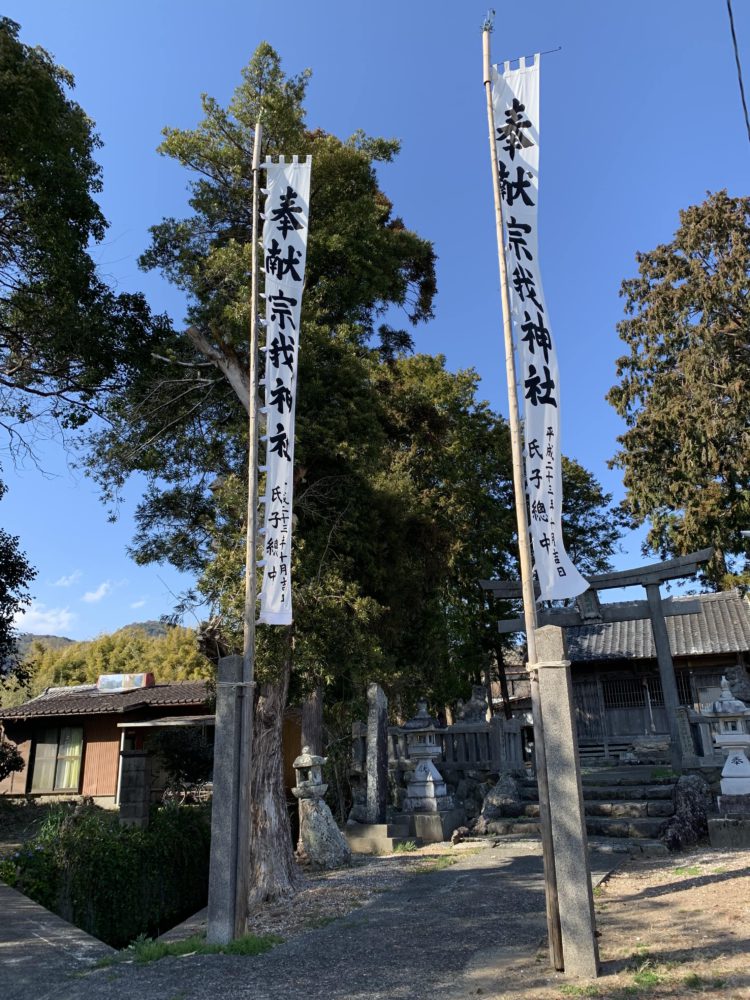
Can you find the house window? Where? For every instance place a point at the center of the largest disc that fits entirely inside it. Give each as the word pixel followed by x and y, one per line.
pixel 57 760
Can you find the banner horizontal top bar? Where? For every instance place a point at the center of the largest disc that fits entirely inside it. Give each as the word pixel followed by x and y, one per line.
pixel 282 161
pixel 669 569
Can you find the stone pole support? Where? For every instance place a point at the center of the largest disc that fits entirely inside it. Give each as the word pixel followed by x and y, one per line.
pixel 222 873
pixel 570 845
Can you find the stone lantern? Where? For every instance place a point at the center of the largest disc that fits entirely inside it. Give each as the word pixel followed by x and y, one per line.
pixel 309 775
pixel 431 808
pixel 321 843
pixel 422 735
pixel 730 717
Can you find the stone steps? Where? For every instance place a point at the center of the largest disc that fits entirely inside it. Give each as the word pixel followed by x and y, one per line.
pixel 596 826
pixel 622 806
pixel 634 846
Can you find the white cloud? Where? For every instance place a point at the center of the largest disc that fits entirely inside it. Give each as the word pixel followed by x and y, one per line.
pixel 137 604
pixel 67 581
pixel 41 620
pixel 92 596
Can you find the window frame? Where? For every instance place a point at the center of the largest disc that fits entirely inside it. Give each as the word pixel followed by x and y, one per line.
pixel 58 760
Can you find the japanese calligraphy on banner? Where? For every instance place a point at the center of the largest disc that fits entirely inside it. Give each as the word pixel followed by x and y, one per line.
pixel 284 251
pixel 515 98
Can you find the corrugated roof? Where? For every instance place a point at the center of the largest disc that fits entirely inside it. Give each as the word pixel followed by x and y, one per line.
pixel 84 699
pixel 721 626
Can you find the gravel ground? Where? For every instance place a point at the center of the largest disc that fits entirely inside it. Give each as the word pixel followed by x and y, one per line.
pixel 417 926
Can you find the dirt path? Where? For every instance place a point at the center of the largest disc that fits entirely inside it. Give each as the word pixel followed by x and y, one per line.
pixel 670 929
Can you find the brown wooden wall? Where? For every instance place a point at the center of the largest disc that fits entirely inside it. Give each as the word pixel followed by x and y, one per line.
pixel 101 756
pixel 15 784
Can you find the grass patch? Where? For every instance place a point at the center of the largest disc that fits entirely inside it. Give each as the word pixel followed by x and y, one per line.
pixel 647 977
pixel 436 863
pixel 316 922
pixel 145 949
pixel 663 772
pixel 687 870
pixel 698 983
pixel 407 847
pixel 720 870
pixel 580 991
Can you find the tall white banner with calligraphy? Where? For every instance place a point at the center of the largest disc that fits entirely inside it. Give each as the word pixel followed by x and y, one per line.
pixel 284 252
pixel 515 98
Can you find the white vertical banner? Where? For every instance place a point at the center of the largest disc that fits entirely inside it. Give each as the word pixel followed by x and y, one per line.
pixel 515 100
pixel 284 251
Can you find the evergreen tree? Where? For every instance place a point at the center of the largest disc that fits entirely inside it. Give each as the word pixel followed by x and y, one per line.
pixel 683 387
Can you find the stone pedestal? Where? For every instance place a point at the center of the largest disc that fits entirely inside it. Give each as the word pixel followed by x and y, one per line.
pixel 735 776
pixel 426 791
pixel 731 832
pixel 435 827
pixel 135 787
pixel 321 843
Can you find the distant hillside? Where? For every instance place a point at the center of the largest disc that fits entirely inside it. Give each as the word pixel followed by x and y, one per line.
pixel 152 628
pixel 25 641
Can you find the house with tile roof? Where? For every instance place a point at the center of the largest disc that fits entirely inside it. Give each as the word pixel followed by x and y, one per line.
pixel 616 686
pixel 71 737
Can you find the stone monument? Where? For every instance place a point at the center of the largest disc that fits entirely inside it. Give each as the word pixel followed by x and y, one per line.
pixel 377 754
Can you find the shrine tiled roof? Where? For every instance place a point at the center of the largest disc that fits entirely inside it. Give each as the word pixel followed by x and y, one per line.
pixel 721 626
pixel 85 699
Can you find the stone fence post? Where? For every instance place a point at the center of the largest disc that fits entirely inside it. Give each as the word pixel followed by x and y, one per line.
pixel 135 787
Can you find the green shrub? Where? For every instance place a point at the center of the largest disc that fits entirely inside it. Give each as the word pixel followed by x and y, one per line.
pixel 117 882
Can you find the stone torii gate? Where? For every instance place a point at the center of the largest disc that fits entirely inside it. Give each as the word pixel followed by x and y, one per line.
pixel 589 611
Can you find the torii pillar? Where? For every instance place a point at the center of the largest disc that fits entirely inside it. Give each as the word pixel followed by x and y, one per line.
pixel 590 612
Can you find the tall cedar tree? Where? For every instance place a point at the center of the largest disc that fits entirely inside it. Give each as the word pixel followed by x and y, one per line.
pixel 183 421
pixel 402 492
pixel 684 387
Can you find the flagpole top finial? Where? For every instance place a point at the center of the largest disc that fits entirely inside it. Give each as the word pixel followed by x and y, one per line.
pixel 489 22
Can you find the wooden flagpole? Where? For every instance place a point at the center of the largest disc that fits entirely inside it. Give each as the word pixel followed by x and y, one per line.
pixel 251 583
pixel 524 548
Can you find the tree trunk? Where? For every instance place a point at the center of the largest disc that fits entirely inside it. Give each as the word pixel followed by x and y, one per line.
pixel 503 682
pixel 273 872
pixel 312 721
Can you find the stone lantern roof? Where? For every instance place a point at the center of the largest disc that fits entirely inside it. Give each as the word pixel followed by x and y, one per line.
pixel 308 759
pixel 422 720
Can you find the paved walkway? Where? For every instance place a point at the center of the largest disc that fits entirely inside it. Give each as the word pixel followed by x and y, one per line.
pixel 39 952
pixel 441 935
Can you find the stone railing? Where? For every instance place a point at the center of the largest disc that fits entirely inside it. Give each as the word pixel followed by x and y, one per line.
pixel 467 746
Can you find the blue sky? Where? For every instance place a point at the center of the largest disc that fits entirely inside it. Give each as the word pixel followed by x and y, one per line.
pixel 640 116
